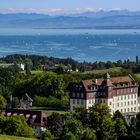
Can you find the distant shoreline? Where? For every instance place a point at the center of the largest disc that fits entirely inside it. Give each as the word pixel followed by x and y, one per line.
pixel 95 28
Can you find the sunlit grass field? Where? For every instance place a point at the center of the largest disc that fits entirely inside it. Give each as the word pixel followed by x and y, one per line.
pixel 6 137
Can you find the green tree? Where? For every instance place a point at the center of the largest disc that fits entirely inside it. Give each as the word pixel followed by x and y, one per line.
pixel 47 135
pixel 82 115
pixel 120 125
pixel 15 102
pixel 6 82
pixel 88 134
pixel 15 125
pixel 55 124
pixel 74 126
pixel 101 121
pixel 3 102
pixel 43 84
pixel 69 136
pixel 134 129
pixel 120 128
pixel 28 66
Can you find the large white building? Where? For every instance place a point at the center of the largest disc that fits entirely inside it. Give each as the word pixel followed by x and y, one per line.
pixel 119 93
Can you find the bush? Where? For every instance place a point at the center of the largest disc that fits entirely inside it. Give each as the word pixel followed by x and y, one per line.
pixel 50 101
pixel 47 135
pixel 15 125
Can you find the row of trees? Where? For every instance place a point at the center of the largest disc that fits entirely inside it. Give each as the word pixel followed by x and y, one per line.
pixel 97 124
pixel 46 88
pixel 36 62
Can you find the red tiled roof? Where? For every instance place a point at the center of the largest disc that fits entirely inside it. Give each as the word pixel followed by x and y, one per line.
pixel 103 82
pixel 36 116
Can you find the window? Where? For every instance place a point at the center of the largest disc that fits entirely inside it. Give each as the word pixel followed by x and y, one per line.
pixel 135 96
pixel 131 96
pixel 121 104
pixel 82 95
pixel 128 110
pixel 132 109
pixel 121 110
pixel 73 101
pixel 93 101
pixel 124 103
pixel 110 103
pixel 77 101
pixel 124 110
pixel 121 97
pixel 124 90
pixel 125 97
pixel 128 96
pixel 73 94
pixel 89 102
pixel 82 102
pixel 118 104
pixel 131 102
pixel 77 94
pixel 96 101
pixel 128 103
pixel 135 102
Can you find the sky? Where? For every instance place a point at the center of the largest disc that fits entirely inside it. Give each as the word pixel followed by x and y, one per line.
pixel 66 6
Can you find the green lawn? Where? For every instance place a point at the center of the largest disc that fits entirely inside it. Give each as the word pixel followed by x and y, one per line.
pixel 34 71
pixel 116 69
pixel 137 76
pixel 6 137
pixel 49 112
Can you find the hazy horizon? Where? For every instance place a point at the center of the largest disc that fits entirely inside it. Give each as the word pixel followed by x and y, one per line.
pixel 65 6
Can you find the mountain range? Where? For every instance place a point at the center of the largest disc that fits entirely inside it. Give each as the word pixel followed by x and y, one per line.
pixel 114 19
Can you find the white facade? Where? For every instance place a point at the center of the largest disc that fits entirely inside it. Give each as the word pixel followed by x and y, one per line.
pixel 118 93
pixel 123 103
pixel 77 103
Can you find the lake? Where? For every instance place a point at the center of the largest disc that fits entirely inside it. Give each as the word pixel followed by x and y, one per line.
pixel 80 44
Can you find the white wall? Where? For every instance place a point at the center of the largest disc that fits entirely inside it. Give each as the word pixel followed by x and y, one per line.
pixel 76 103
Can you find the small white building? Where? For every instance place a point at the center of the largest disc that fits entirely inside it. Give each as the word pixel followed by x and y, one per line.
pixel 21 66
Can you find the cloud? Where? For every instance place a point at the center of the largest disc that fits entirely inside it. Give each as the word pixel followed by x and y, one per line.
pixel 89 9
pixel 31 10
pixel 54 11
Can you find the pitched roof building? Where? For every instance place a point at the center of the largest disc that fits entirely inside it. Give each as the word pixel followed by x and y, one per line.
pixel 36 119
pixel 26 102
pixel 119 93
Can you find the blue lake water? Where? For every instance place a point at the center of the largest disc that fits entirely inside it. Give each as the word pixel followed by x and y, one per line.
pixel 80 44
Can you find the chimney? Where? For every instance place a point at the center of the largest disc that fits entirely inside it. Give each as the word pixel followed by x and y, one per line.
pixel 95 81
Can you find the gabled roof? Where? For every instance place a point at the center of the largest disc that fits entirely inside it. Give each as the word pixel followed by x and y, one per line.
pixel 103 81
pixel 26 96
pixel 36 116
